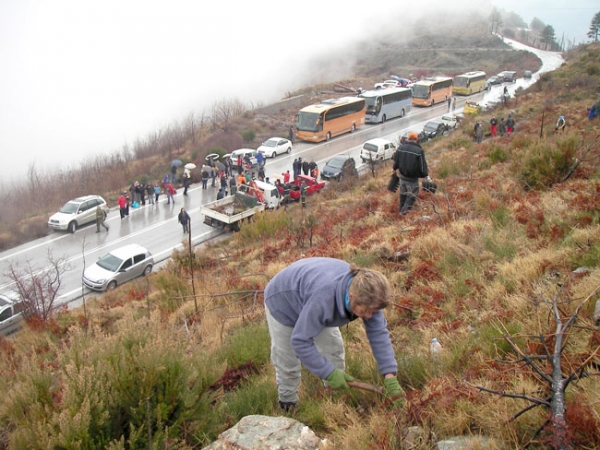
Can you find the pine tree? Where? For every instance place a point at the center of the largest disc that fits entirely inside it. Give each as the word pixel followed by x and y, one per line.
pixel 594 27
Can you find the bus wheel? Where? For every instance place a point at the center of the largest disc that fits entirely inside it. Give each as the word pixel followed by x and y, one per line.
pixel 432 102
pixel 383 119
pixel 328 136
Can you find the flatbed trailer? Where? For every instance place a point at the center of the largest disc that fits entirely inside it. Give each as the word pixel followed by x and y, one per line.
pixel 229 212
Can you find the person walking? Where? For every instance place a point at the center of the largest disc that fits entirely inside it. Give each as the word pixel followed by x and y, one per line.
pixel 122 202
pixel 260 159
pixel 292 134
pixel 186 181
pixel 453 103
pixel 173 174
pixel 156 192
pixel 170 190
pixel 410 165
pixel 449 103
pixel 100 218
pixel 205 178
pixel 150 193
pixel 305 305
pixel 232 185
pixel 184 219
pixel 296 168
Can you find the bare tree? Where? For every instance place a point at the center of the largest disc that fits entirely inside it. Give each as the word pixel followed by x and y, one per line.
pixel 39 287
pixel 545 359
pixel 223 112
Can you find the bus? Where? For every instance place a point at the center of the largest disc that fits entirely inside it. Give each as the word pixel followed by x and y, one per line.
pixel 430 91
pixel 469 82
pixel 322 121
pixel 384 104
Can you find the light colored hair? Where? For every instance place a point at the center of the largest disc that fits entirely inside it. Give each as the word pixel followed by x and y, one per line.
pixel 369 288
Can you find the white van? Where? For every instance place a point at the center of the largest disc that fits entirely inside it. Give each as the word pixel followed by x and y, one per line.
pixel 377 149
pixel 271 194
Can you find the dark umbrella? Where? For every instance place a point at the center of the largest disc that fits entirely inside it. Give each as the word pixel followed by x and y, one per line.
pixel 176 163
pixel 220 165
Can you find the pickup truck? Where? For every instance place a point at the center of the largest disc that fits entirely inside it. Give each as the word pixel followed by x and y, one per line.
pixel 230 211
pixel 311 185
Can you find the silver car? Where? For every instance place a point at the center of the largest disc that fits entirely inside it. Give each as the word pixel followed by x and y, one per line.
pixel 11 313
pixel 117 267
pixel 77 212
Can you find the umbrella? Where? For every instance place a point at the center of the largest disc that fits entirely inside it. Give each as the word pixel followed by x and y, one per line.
pixel 176 163
pixel 220 165
pixel 213 156
pixel 190 166
pixel 206 168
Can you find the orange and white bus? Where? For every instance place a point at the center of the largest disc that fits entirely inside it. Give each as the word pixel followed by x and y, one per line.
pixel 430 91
pixel 322 121
pixel 468 83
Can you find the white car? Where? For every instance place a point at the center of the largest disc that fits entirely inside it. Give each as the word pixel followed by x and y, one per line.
pixel 77 212
pixel 450 120
pixel 12 310
pixel 387 84
pixel 275 146
pixel 118 266
pixel 377 149
pixel 243 152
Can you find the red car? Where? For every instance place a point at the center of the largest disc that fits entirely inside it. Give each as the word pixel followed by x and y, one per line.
pixel 312 185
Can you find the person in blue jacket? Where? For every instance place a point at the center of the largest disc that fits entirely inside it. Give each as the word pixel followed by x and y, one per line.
pixel 305 305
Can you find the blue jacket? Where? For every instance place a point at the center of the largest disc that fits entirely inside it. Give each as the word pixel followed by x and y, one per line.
pixel 308 296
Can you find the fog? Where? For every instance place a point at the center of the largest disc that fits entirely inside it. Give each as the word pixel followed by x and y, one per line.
pixel 82 79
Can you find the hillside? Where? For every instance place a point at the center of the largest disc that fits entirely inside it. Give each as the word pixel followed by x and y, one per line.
pixel 493 265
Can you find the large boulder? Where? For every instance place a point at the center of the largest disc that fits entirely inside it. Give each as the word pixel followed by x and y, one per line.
pixel 267 433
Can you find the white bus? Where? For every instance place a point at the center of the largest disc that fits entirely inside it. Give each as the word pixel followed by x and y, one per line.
pixel 385 104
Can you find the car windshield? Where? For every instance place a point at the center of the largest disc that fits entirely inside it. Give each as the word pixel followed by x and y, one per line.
pixel 431 126
pixel 270 143
pixel 110 262
pixel 336 163
pixel 69 208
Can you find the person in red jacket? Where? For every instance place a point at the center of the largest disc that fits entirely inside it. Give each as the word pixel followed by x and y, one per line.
pixel 122 202
pixel 170 190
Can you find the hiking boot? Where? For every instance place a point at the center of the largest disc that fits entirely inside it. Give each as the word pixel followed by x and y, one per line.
pixel 286 406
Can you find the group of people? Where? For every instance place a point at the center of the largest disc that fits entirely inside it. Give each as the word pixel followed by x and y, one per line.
pixel 502 128
pixel 300 167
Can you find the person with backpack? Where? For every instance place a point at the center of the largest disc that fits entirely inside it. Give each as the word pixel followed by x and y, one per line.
pixel 560 124
pixel 410 165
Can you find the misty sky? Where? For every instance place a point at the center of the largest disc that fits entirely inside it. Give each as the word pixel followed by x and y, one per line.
pixel 82 78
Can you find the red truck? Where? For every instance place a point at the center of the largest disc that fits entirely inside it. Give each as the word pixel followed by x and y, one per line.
pixel 292 190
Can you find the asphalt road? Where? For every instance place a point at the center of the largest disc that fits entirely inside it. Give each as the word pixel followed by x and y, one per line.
pixel 156 227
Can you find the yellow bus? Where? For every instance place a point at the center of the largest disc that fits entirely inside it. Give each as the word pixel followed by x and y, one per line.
pixel 468 83
pixel 322 121
pixel 432 90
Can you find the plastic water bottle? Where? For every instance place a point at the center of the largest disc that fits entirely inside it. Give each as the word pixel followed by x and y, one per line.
pixel 435 348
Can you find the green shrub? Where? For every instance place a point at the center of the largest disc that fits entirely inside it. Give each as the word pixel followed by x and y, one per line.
pixel 543 165
pixel 497 154
pixel 248 135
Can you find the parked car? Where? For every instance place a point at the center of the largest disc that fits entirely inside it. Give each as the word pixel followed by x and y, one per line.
pixel 243 152
pixel 339 167
pixel 377 149
pixel 117 267
pixel 12 313
pixel 77 212
pixel 450 120
pixel 311 184
pixel 433 129
pixel 388 83
pixel 404 137
pixel 493 81
pixel 527 74
pixel 275 146
pixel 508 75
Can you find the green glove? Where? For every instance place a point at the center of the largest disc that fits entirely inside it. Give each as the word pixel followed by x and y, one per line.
pixel 338 379
pixel 394 391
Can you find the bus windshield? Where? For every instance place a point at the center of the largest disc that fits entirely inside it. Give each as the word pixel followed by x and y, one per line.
pixel 373 105
pixel 461 81
pixel 307 121
pixel 420 91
